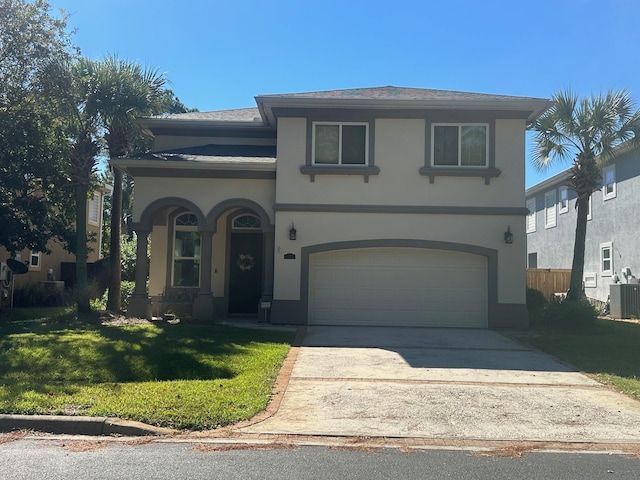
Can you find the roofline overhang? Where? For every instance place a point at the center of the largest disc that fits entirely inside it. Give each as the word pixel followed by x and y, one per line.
pixel 148 124
pixel 533 107
pixel 558 178
pixel 125 164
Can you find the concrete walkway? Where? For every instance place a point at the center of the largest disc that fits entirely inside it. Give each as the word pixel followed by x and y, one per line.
pixel 443 384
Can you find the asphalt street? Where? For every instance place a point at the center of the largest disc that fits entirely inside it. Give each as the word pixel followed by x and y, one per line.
pixel 77 459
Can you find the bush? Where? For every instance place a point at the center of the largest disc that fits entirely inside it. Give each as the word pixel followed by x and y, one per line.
pixel 126 291
pixel 536 300
pixel 567 316
pixel 36 295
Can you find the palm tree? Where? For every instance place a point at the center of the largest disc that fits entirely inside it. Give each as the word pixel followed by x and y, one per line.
pixel 587 130
pixel 124 90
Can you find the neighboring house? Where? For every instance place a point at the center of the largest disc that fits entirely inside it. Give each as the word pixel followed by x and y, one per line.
pixel 48 266
pixel 374 206
pixel 612 245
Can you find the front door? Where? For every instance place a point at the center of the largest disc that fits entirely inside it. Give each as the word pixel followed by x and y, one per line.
pixel 245 272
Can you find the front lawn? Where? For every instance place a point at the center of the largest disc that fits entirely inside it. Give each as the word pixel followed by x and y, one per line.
pixel 179 376
pixel 609 350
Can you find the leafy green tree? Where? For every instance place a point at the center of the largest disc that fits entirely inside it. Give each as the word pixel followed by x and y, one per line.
pixel 589 130
pixel 34 199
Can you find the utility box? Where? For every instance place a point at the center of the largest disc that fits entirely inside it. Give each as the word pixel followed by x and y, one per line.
pixel 624 300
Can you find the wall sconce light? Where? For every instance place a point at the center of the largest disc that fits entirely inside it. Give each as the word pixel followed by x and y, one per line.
pixel 508 236
pixel 292 232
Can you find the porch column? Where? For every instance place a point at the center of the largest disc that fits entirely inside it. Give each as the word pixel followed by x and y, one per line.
pixel 267 282
pixel 139 303
pixel 203 303
pixel 269 245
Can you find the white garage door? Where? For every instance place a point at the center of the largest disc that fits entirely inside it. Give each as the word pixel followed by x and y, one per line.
pixel 398 287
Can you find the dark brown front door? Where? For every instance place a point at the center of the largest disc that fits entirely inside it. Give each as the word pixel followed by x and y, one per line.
pixel 245 272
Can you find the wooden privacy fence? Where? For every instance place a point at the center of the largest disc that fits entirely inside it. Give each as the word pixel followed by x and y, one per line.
pixel 549 280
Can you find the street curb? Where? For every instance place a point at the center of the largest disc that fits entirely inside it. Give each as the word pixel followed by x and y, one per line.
pixel 79 425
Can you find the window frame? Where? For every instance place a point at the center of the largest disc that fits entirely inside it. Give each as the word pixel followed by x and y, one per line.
pixel 531 216
pixel 563 199
pixel 606 246
pixel 197 259
pixel 38 265
pixel 94 199
pixel 547 222
pixel 340 126
pixel 609 195
pixel 459 125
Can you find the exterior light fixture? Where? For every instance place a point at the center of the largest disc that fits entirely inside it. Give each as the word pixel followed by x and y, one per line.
pixel 292 232
pixel 508 236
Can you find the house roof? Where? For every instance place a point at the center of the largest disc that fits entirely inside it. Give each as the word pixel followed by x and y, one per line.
pixel 398 98
pixel 235 115
pixel 557 179
pixel 388 97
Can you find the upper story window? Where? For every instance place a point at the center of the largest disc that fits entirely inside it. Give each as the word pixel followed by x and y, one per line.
pixel 531 216
pixel 563 200
pixel 186 251
pixel 609 182
pixel 550 209
pixel 460 145
pixel 94 210
pixel 340 143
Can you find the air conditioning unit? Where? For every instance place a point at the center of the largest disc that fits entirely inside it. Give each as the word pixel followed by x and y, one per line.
pixel 625 300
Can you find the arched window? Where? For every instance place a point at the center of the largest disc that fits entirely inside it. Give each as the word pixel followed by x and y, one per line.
pixel 186 251
pixel 246 222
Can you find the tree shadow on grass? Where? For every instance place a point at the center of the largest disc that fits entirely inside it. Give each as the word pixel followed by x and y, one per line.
pixel 64 357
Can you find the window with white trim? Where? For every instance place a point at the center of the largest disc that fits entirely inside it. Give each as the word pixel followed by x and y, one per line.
pixel 460 145
pixel 606 259
pixel 340 143
pixel 563 199
pixel 531 216
pixel 186 251
pixel 34 260
pixel 609 182
pixel 550 209
pixel 94 210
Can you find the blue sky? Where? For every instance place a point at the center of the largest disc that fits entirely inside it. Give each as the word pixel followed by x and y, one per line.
pixel 220 54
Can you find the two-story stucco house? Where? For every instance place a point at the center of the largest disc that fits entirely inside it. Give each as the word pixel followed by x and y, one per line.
pixel 612 245
pixel 373 206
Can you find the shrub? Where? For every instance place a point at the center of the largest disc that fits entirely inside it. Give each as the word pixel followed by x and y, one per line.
pixel 536 300
pixel 567 316
pixel 36 295
pixel 126 291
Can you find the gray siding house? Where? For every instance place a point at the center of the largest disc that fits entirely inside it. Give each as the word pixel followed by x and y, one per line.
pixel 613 242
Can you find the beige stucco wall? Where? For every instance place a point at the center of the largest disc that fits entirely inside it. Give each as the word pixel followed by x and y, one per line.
pixel 400 153
pixel 205 193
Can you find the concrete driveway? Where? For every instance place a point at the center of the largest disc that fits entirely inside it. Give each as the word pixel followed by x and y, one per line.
pixel 443 384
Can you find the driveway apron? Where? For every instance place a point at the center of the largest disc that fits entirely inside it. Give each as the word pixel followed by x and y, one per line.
pixel 443 383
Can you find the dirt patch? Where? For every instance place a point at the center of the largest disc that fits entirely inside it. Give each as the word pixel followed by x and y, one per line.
pixel 83 446
pixel 11 436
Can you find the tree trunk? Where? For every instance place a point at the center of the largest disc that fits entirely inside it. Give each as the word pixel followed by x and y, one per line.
pixel 115 264
pixel 576 292
pixel 84 308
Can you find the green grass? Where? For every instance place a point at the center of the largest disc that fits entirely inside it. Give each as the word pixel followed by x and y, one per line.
pixel 179 376
pixel 609 350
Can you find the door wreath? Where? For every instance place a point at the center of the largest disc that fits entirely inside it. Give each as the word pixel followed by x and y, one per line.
pixel 245 262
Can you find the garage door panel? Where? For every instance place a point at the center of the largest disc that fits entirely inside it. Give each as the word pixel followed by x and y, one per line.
pixel 398 286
